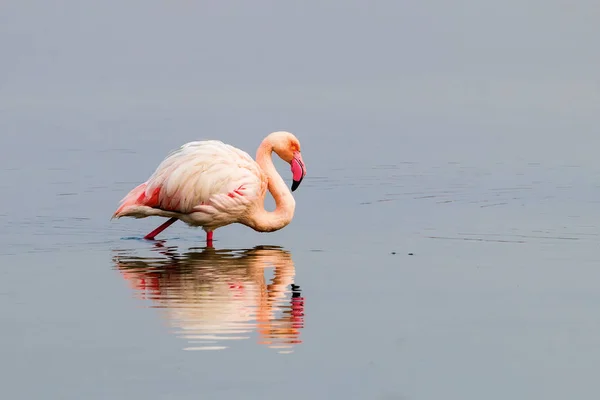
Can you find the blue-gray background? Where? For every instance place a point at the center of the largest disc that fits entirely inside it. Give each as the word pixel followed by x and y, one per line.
pixel 464 132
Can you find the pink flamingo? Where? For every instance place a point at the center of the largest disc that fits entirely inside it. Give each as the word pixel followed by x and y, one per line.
pixel 211 184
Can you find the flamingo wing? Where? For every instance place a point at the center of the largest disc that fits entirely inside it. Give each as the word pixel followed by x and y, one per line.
pixel 202 176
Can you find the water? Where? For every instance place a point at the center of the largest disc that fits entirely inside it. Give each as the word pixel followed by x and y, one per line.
pixel 445 237
pixel 214 296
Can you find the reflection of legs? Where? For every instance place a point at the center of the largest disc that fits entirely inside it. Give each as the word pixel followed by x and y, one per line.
pixel 161 228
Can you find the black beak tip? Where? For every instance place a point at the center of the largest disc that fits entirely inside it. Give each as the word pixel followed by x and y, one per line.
pixel 295 184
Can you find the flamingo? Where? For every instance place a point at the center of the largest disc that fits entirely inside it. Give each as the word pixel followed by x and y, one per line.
pixel 211 184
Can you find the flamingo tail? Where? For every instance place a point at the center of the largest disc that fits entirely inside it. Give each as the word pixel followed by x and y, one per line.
pixel 129 204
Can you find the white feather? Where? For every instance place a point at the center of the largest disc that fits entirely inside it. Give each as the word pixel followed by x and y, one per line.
pixel 202 176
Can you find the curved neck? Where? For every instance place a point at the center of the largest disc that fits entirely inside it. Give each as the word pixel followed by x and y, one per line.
pixel 269 221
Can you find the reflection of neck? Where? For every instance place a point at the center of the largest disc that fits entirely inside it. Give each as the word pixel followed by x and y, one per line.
pixel 269 221
pixel 269 328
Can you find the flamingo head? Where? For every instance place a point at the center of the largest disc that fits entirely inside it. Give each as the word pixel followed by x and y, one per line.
pixel 287 146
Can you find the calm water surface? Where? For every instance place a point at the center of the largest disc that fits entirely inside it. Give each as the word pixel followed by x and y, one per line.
pixel 499 297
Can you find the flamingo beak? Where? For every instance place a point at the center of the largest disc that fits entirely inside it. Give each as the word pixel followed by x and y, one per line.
pixel 298 170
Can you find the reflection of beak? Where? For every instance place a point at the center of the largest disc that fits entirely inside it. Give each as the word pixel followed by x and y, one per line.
pixel 298 170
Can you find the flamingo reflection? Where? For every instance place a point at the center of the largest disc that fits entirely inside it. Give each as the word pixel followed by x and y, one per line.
pixel 212 297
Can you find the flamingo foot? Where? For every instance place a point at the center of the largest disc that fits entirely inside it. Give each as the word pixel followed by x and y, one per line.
pixel 161 228
pixel 209 239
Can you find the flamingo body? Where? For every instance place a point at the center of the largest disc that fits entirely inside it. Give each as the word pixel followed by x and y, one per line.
pixel 207 184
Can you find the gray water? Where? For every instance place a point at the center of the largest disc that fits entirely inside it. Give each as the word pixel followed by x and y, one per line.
pixel 445 241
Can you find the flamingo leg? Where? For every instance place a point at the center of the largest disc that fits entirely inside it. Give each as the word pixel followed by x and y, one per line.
pixel 161 228
pixel 209 238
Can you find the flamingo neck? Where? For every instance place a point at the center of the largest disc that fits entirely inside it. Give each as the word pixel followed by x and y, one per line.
pixel 269 221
